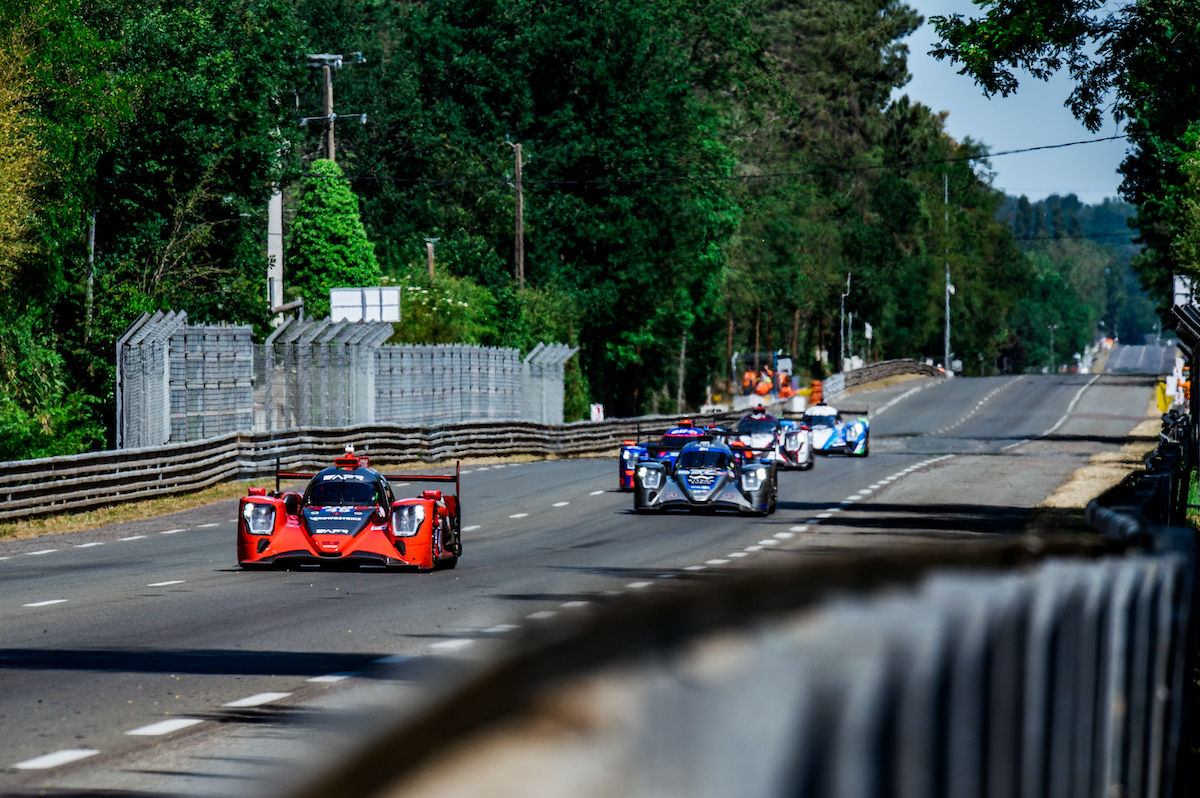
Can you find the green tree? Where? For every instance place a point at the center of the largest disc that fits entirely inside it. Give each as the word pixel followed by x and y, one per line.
pixel 1139 58
pixel 329 246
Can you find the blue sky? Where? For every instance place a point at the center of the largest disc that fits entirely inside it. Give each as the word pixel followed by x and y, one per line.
pixel 1033 117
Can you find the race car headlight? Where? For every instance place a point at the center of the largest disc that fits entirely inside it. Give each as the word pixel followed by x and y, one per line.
pixel 259 518
pixel 793 440
pixel 630 456
pixel 407 520
pixel 752 479
pixel 651 478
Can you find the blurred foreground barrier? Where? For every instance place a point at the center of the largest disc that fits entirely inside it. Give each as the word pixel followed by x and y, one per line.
pixel 33 488
pixel 1047 667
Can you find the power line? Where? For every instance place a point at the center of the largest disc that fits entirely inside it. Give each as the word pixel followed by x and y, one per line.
pixel 650 180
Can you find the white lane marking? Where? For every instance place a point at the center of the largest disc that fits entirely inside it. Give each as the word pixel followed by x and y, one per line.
pixel 4 558
pixel 40 552
pixel 694 568
pixel 902 396
pixel 637 585
pixel 823 516
pixel 482 468
pixel 174 531
pixel 784 535
pixel 754 548
pixel 163 727
pixel 53 760
pixel 737 554
pixel 852 499
pixel 208 526
pixel 257 700
pixel 168 582
pixel 865 492
pixel 560 504
pixel 572 605
pixel 393 659
pixel 136 537
pixel 330 678
pixel 501 629
pixel 450 645
pixel 88 545
pixel 401 484
pixel 1071 406
pixel 471 528
pixel 541 615
pixel 596 493
pixel 716 562
pixel 519 515
pixel 798 528
pixel 45 603
pixel 768 542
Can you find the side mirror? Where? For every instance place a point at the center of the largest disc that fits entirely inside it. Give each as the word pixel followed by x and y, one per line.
pixel 291 504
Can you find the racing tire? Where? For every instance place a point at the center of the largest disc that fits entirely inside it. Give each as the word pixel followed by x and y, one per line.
pixel 866 449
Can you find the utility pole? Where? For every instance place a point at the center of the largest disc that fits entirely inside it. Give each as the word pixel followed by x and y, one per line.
pixel 519 233
pixel 949 286
pixel 429 242
pixel 327 63
pixel 842 325
pixel 1052 328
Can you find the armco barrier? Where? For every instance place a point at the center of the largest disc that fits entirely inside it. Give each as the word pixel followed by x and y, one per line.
pixel 34 488
pixel 1049 667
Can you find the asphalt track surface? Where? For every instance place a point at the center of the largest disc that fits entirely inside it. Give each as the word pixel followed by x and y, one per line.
pixel 138 659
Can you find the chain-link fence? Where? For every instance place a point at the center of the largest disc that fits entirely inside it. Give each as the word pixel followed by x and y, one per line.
pixel 178 383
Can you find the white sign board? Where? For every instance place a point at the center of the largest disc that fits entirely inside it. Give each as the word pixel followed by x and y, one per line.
pixel 377 303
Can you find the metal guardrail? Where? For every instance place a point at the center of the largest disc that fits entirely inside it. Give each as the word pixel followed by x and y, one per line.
pixel 34 488
pixel 1048 667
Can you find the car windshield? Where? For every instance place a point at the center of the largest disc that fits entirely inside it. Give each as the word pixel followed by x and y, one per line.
pixel 702 458
pixel 819 420
pixel 337 492
pixel 756 426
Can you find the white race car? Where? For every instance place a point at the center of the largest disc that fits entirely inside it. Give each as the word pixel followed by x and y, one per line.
pixel 788 444
pixel 831 433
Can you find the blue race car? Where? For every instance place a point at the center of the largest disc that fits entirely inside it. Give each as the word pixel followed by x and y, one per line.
pixel 666 450
pixel 706 475
pixel 832 433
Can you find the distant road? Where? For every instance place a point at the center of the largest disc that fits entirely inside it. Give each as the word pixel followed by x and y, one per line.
pixel 1140 359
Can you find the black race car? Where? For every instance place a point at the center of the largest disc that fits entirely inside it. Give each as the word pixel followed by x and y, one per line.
pixel 706 475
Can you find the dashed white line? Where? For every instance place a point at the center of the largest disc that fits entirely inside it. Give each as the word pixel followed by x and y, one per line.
pixel 542 615
pixel 257 700
pixel 596 493
pixel 560 504
pixel 208 526
pixel 784 535
pixel 573 605
pixel 519 515
pixel 45 603
pixel 823 516
pixel 168 582
pixel 330 678
pixel 88 545
pixel 753 548
pixel 637 585
pixel 55 759
pixel 501 629
pixel 768 542
pixel 716 562
pixel 799 528
pixel 136 537
pixel 737 554
pixel 471 528
pixel 40 552
pixel 451 645
pixel 164 727
pixel 172 531
pixel 694 568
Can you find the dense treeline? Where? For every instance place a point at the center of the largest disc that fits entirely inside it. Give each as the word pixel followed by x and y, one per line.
pixel 698 179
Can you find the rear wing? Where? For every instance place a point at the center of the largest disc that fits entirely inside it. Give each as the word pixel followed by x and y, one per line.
pixel 455 477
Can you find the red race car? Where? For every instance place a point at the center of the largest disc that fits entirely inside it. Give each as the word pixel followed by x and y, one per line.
pixel 349 514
